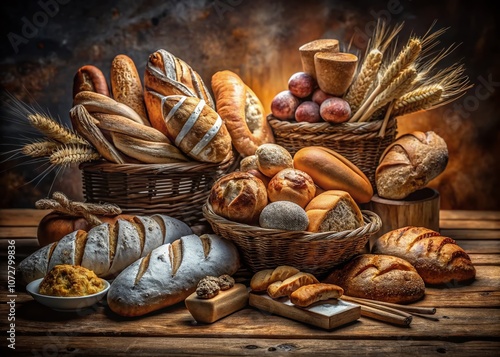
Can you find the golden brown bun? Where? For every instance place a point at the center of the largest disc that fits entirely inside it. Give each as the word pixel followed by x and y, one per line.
pixel 242 111
pixel 309 294
pixel 410 163
pixel 238 196
pixel 262 279
pixel 70 280
pixel 289 285
pixel 291 185
pixel 438 259
pixel 126 85
pixel 333 210
pixel 90 78
pixel 249 163
pixel 55 225
pixel 379 277
pixel 332 171
pixel 272 158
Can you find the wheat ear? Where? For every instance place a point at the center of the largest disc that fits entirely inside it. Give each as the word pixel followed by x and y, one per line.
pixel 365 78
pixel 54 130
pixel 404 59
pixel 418 99
pixel 39 148
pixel 68 154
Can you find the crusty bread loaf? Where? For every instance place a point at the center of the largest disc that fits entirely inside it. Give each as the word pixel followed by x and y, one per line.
pixel 242 111
pixel 238 196
pixel 410 163
pixel 289 285
pixel 291 185
pixel 263 278
pixel 126 85
pixel 438 259
pixel 309 294
pixel 90 78
pixel 332 171
pixel 272 158
pixel 378 277
pixel 107 248
pixel 170 273
pixel 194 127
pixel 333 210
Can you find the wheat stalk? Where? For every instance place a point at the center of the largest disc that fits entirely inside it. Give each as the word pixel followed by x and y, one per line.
pixel 419 99
pixel 68 154
pixel 39 148
pixel 54 130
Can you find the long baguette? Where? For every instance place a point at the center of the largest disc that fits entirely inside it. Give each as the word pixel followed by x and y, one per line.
pixel 170 273
pixel 106 249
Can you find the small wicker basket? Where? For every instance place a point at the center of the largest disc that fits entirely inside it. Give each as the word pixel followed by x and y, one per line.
pixel 315 253
pixel 177 189
pixel 360 143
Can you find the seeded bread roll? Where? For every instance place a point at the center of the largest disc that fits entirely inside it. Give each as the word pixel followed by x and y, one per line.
pixel 379 277
pixel 105 249
pixel 170 273
pixel 333 210
pixel 438 259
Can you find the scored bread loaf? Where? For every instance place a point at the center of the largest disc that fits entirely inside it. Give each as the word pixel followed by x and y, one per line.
pixel 438 259
pixel 107 248
pixel 333 210
pixel 378 277
pixel 410 163
pixel 170 273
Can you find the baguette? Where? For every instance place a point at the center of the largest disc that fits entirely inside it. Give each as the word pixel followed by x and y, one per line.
pixel 332 171
pixel 438 259
pixel 107 248
pixel 170 273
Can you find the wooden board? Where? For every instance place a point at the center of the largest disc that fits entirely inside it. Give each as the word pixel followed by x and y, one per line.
pixel 327 315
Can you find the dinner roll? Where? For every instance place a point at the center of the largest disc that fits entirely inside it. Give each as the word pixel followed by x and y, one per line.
pixel 291 185
pixel 272 158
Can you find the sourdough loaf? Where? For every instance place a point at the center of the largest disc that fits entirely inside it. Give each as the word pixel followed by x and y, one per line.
pixel 170 273
pixel 378 277
pixel 438 259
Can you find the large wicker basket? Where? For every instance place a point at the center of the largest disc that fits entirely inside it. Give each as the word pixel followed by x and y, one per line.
pixel 360 143
pixel 315 253
pixel 177 189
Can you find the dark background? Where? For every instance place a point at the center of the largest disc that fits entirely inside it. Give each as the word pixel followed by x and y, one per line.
pixel 259 40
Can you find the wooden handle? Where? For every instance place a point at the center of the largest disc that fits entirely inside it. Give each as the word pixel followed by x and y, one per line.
pixel 385 316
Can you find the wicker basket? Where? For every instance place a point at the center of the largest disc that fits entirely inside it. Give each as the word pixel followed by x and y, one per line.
pixel 178 189
pixel 358 142
pixel 315 253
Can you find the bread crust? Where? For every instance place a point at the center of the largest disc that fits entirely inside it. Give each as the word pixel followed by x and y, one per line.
pixel 291 185
pixel 242 111
pixel 438 259
pixel 309 294
pixel 90 78
pixel 262 279
pixel 289 285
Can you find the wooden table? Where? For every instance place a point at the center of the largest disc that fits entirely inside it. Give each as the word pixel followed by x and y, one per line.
pixel 468 325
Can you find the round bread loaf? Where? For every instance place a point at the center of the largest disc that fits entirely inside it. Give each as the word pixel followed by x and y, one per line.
pixel 249 163
pixel 238 196
pixel 379 277
pixel 284 215
pixel 242 111
pixel 272 158
pixel 291 185
pixel 332 171
pixel 335 211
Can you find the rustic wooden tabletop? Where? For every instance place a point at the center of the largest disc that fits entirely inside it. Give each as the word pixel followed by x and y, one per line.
pixel 466 322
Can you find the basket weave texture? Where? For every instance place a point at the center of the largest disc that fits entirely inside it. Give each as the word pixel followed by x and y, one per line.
pixel 315 253
pixel 178 190
pixel 360 143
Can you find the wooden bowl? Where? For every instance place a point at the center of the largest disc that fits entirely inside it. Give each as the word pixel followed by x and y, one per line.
pixel 421 209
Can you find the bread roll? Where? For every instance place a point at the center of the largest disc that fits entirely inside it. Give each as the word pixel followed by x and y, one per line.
pixel 289 285
pixel 242 112
pixel 170 273
pixel 194 127
pixel 309 294
pixel 249 163
pixel 332 171
pixel 272 158
pixel 107 248
pixel 291 185
pixel 284 215
pixel 378 277
pixel 410 163
pixel 90 78
pixel 333 210
pixel 238 196
pixel 126 85
pixel 438 259
pixel 262 279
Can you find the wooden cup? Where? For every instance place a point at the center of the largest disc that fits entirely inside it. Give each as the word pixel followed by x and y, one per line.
pixel 335 71
pixel 420 209
pixel 308 51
